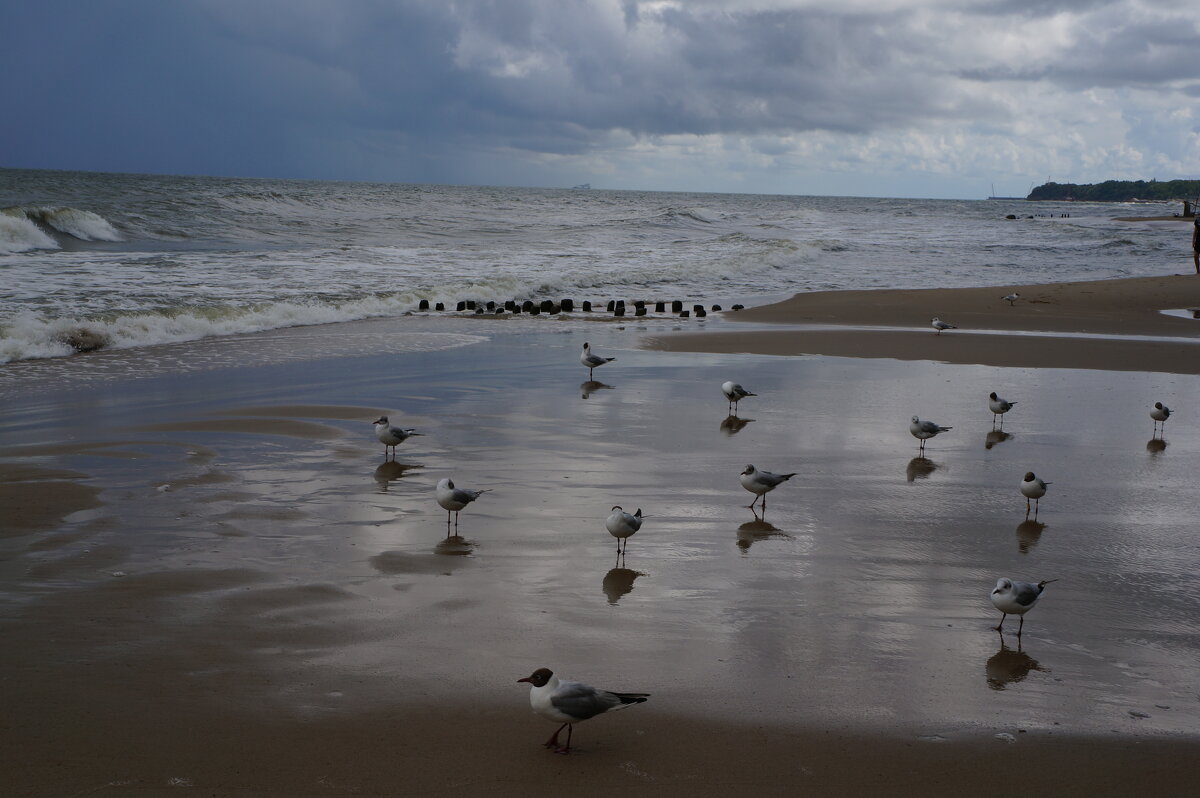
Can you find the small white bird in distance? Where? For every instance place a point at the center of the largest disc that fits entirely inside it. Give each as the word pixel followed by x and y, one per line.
pixel 1012 597
pixel 760 483
pixel 940 325
pixel 1033 487
pixel 391 436
pixel 734 393
pixel 453 499
pixel 567 702
pixel 1160 412
pixel 592 361
pixel 998 406
pixel 621 525
pixel 1011 298
pixel 924 430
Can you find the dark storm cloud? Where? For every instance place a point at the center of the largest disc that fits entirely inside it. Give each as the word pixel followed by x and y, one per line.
pixel 401 89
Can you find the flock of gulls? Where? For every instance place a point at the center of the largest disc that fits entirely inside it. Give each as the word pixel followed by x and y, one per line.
pixel 569 702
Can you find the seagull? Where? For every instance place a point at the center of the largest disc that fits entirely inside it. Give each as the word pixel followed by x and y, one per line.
pixel 621 525
pixel 761 483
pixel 392 436
pixel 998 406
pixel 1012 298
pixel 734 393
pixel 940 325
pixel 1033 488
pixel 1016 598
pixel 924 430
pixel 1160 413
pixel 454 499
pixel 568 702
pixel 592 361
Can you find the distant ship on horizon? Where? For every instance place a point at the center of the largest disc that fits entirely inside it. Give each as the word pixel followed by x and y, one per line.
pixel 994 197
pixel 583 185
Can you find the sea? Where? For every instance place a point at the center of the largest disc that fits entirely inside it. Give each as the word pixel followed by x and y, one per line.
pixel 124 261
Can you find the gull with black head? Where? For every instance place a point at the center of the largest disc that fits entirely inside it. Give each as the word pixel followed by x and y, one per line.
pixel 567 702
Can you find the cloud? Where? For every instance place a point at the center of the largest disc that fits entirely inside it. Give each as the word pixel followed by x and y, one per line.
pixel 940 93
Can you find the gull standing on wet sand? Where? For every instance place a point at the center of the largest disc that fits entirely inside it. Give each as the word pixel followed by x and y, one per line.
pixel 940 325
pixel 454 499
pixel 391 436
pixel 734 393
pixel 1160 412
pixel 1012 597
pixel 592 361
pixel 568 702
pixel 1032 487
pixel 621 525
pixel 1011 298
pixel 760 483
pixel 998 406
pixel 924 430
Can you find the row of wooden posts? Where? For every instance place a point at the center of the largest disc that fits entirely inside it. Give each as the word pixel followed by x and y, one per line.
pixel 549 306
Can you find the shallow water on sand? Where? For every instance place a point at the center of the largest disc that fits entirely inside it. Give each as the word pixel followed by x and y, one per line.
pixel 254 541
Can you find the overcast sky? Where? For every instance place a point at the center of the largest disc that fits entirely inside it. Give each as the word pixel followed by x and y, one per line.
pixel 906 98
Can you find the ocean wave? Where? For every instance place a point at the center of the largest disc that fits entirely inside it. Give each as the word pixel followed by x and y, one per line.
pixel 28 336
pixel 26 228
pixel 19 234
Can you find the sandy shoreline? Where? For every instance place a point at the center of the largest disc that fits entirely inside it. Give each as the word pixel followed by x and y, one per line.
pixel 222 585
pixel 1126 307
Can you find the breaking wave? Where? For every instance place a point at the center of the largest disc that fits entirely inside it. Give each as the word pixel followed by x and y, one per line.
pixel 28 336
pixel 25 229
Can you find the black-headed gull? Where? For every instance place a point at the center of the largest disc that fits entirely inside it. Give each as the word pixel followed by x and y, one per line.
pixel 621 525
pixel 1013 597
pixel 1160 412
pixel 760 483
pixel 998 406
pixel 924 430
pixel 592 361
pixel 1033 487
pixel 734 393
pixel 391 436
pixel 1011 298
pixel 568 703
pixel 454 499
pixel 940 325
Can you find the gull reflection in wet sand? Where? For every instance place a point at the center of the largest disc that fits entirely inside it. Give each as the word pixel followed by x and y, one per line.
pixel 454 546
pixel 1156 445
pixel 994 437
pixel 1007 667
pixel 1028 533
pixel 617 582
pixel 751 532
pixel 732 425
pixel 589 387
pixel 920 468
pixel 390 471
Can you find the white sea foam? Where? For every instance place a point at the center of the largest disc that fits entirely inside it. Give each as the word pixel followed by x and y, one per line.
pixel 19 234
pixel 28 336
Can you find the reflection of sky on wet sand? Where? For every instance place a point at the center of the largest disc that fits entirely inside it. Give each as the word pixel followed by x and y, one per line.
pixel 863 595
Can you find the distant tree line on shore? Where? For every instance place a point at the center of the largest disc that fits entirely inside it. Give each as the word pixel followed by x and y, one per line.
pixel 1118 191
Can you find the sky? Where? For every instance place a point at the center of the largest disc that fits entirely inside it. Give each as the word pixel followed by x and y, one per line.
pixel 897 98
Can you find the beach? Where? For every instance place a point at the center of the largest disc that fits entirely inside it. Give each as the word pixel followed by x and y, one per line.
pixel 216 580
pixel 1098 324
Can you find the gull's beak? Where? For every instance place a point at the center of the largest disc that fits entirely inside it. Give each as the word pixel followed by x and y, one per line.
pixel 526 679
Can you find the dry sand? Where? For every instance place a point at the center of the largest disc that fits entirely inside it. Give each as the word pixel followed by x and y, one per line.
pixel 1127 307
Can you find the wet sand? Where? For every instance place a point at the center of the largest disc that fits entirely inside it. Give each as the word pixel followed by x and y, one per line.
pixel 895 324
pixel 258 603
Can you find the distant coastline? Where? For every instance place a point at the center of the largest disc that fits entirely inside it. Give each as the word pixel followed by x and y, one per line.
pixel 1119 191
